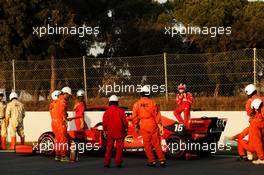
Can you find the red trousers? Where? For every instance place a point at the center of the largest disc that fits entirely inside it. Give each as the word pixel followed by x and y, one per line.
pixel 150 140
pixel 255 141
pixel 61 140
pixel 185 108
pixel 119 151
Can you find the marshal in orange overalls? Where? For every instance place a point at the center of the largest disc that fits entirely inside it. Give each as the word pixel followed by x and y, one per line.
pixel 242 144
pixel 255 131
pixel 147 116
pixel 59 126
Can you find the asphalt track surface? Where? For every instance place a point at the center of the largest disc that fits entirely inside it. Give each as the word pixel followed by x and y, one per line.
pixel 11 163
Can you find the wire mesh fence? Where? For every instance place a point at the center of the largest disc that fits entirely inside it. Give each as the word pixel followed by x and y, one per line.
pixel 123 76
pixel 217 74
pixel 214 74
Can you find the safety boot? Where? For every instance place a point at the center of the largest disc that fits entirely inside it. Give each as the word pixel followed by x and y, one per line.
pixel 250 156
pixel 152 164
pixel 13 143
pixel 57 158
pixel 258 162
pixel 163 163
pixel 242 158
pixel 65 159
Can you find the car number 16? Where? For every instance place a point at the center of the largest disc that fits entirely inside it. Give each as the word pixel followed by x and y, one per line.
pixel 178 127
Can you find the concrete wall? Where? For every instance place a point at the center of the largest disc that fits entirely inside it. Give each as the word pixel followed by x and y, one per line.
pixel 36 123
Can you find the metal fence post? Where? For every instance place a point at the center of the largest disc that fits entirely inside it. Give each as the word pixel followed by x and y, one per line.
pixel 165 75
pixel 14 75
pixel 84 78
pixel 254 64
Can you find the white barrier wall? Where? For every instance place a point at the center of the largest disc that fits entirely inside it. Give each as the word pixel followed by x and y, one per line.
pixel 36 123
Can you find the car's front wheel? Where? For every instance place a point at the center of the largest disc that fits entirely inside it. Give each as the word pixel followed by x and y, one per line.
pixel 46 143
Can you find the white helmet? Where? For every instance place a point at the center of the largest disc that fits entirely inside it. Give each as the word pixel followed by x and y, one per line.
pixel 80 93
pixel 2 92
pixel 67 90
pixel 255 104
pixel 250 89
pixel 13 95
pixel 55 94
pixel 113 98
pixel 145 89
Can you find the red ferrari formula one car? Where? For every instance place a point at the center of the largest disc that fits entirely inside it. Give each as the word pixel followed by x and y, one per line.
pixel 199 137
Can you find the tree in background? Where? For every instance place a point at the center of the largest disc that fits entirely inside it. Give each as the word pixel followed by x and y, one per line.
pixel 127 28
pixel 246 21
pixel 245 18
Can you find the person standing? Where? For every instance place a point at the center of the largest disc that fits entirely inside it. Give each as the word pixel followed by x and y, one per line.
pixel 15 114
pixel 3 130
pixel 79 109
pixel 183 100
pixel 59 125
pixel 147 120
pixel 115 127
pixel 54 98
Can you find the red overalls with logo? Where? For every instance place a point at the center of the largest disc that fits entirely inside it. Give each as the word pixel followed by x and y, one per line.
pixel 147 115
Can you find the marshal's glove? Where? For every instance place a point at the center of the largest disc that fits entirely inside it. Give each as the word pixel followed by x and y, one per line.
pixel 161 130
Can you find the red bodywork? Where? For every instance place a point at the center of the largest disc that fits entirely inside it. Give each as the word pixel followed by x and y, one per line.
pixel 198 130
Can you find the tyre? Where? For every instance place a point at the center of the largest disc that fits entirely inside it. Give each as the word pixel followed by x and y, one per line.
pixel 46 143
pixel 176 151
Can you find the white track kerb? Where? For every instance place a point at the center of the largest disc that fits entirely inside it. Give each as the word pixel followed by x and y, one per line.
pixel 36 123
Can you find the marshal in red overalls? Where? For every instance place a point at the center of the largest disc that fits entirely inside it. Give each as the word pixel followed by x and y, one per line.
pixel 115 126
